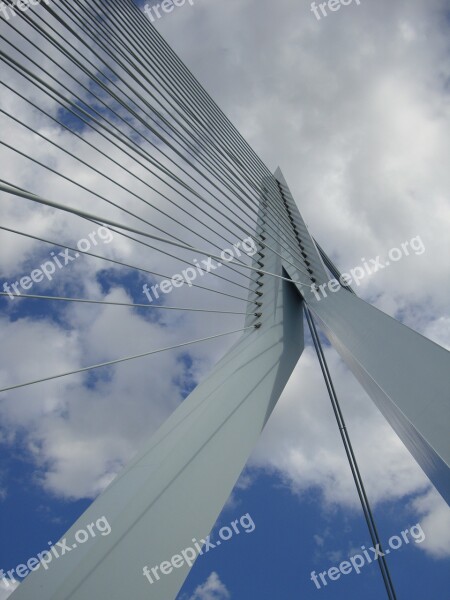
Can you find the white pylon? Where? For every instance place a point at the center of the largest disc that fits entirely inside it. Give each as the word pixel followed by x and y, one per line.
pixel 169 497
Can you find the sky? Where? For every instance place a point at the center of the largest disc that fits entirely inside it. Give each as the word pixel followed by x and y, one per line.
pixel 354 108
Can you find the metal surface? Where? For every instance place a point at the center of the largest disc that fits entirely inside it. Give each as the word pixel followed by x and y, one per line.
pixel 404 373
pixel 175 489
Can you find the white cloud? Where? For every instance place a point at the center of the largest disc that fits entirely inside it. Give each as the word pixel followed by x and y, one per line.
pixel 434 516
pixel 355 110
pixel 439 331
pixel 302 445
pixel 211 589
pixel 302 440
pixel 80 436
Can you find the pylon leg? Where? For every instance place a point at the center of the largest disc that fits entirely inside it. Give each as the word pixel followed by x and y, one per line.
pixel 406 375
pixel 175 489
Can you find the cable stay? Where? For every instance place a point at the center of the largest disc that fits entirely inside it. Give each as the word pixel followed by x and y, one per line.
pixel 127 304
pixel 368 515
pixel 127 358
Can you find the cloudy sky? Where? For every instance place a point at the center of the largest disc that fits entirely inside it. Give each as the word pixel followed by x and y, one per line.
pixel 355 110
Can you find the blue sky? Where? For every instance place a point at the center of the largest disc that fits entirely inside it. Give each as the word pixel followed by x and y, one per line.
pixel 355 110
